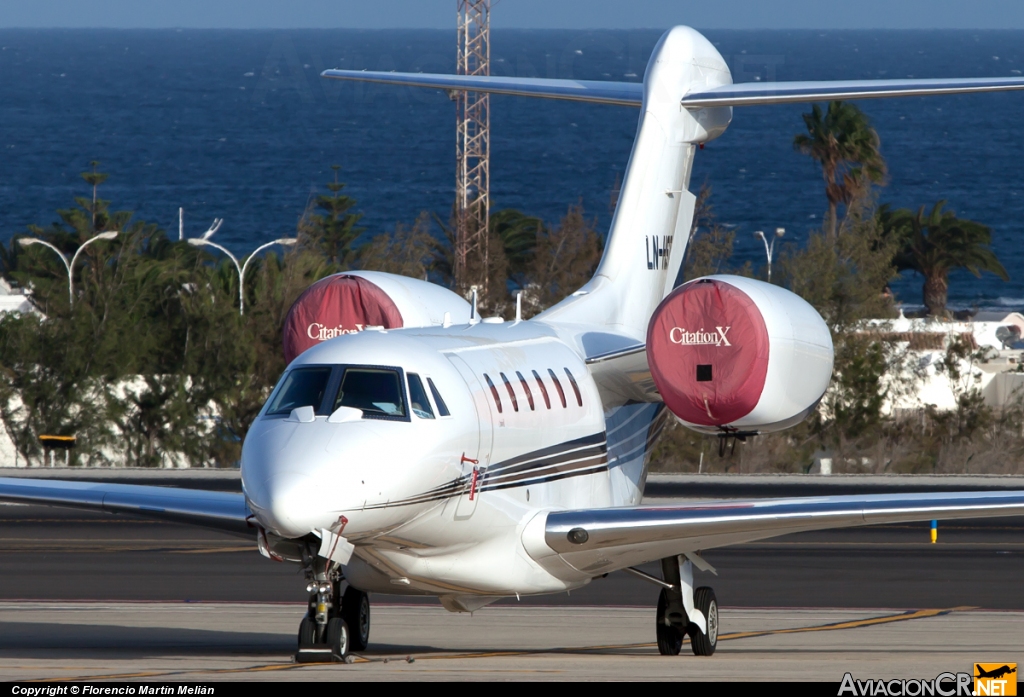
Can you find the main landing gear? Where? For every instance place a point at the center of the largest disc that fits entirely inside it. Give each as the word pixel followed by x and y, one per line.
pixel 336 622
pixel 684 611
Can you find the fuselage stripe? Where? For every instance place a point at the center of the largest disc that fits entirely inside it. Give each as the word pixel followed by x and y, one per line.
pixel 572 458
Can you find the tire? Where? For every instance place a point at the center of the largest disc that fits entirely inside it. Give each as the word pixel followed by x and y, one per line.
pixel 670 639
pixel 355 610
pixel 307 631
pixel 338 638
pixel 701 643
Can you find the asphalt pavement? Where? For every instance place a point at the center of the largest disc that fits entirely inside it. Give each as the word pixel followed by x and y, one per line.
pixel 56 554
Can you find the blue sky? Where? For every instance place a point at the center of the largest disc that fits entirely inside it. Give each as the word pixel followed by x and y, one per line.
pixel 531 14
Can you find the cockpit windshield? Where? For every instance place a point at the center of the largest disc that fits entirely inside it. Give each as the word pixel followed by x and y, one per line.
pixel 377 391
pixel 302 387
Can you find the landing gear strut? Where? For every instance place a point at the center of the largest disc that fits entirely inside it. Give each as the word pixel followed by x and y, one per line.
pixel 336 623
pixel 685 611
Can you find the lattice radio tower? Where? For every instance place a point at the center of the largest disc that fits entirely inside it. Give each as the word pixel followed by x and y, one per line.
pixel 472 149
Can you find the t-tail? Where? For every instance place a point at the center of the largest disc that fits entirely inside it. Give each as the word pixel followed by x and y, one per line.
pixel 686 99
pixel 654 215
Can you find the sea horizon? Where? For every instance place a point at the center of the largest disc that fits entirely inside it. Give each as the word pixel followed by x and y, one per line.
pixel 236 124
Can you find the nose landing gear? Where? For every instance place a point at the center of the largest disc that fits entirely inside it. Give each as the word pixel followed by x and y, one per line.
pixel 336 623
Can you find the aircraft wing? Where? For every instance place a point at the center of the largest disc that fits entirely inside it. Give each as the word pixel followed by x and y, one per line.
pixel 601 540
pixel 742 94
pixel 219 510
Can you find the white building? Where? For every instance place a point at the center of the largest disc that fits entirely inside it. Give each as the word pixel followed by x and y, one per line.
pixel 14 299
pixel 995 367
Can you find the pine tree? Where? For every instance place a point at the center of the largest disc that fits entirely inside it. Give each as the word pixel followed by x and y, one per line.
pixel 334 232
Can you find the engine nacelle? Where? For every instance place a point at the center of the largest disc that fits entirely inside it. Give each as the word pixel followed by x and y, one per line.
pixel 346 303
pixel 733 354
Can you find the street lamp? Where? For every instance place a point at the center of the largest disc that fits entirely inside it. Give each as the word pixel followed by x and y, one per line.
pixel 203 242
pixel 769 249
pixel 69 265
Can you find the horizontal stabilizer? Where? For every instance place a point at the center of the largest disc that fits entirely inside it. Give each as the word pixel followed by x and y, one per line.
pixel 210 509
pixel 600 540
pixel 742 94
pixel 754 93
pixel 597 92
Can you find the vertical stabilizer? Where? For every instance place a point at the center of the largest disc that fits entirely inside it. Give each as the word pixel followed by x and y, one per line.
pixel 652 221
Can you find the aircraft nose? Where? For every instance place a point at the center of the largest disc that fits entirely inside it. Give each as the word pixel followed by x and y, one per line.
pixel 290 505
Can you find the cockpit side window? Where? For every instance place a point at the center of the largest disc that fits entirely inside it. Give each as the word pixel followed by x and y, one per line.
pixel 442 408
pixel 377 391
pixel 418 401
pixel 301 387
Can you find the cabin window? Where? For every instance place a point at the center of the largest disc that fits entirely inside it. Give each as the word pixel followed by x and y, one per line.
pixel 575 387
pixel 418 401
pixel 511 392
pixel 543 390
pixel 301 387
pixel 526 389
pixel 494 392
pixel 558 386
pixel 377 391
pixel 442 408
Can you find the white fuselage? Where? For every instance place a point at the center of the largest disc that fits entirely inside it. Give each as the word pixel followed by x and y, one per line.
pixel 453 505
pixel 442 505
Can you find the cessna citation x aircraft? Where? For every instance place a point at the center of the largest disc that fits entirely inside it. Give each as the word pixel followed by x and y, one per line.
pixel 413 447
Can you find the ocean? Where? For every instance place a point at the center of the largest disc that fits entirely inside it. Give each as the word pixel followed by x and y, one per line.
pixel 238 125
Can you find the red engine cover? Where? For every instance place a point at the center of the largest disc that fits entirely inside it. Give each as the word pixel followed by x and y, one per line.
pixel 707 348
pixel 334 306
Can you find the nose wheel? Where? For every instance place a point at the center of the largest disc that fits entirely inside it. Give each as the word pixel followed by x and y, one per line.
pixel 336 623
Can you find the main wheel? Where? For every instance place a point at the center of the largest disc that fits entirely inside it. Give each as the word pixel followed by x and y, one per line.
pixel 701 643
pixel 307 631
pixel 355 610
pixel 670 639
pixel 338 637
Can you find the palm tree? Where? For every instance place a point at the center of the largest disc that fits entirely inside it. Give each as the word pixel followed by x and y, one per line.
pixel 935 243
pixel 843 141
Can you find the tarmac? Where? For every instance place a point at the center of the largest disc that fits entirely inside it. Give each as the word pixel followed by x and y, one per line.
pixel 93 596
pixel 251 641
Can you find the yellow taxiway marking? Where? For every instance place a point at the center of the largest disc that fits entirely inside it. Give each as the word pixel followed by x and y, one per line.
pixel 851 624
pixel 832 626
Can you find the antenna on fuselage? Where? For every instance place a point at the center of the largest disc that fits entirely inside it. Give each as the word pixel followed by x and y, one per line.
pixel 519 306
pixel 472 312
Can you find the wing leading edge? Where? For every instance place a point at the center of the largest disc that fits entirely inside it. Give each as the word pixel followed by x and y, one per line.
pixel 614 538
pixel 742 94
pixel 219 510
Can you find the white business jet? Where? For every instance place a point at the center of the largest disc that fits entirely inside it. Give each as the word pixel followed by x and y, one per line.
pixel 474 459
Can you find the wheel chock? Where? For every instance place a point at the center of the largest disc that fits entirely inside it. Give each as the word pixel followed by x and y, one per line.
pixel 315 653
